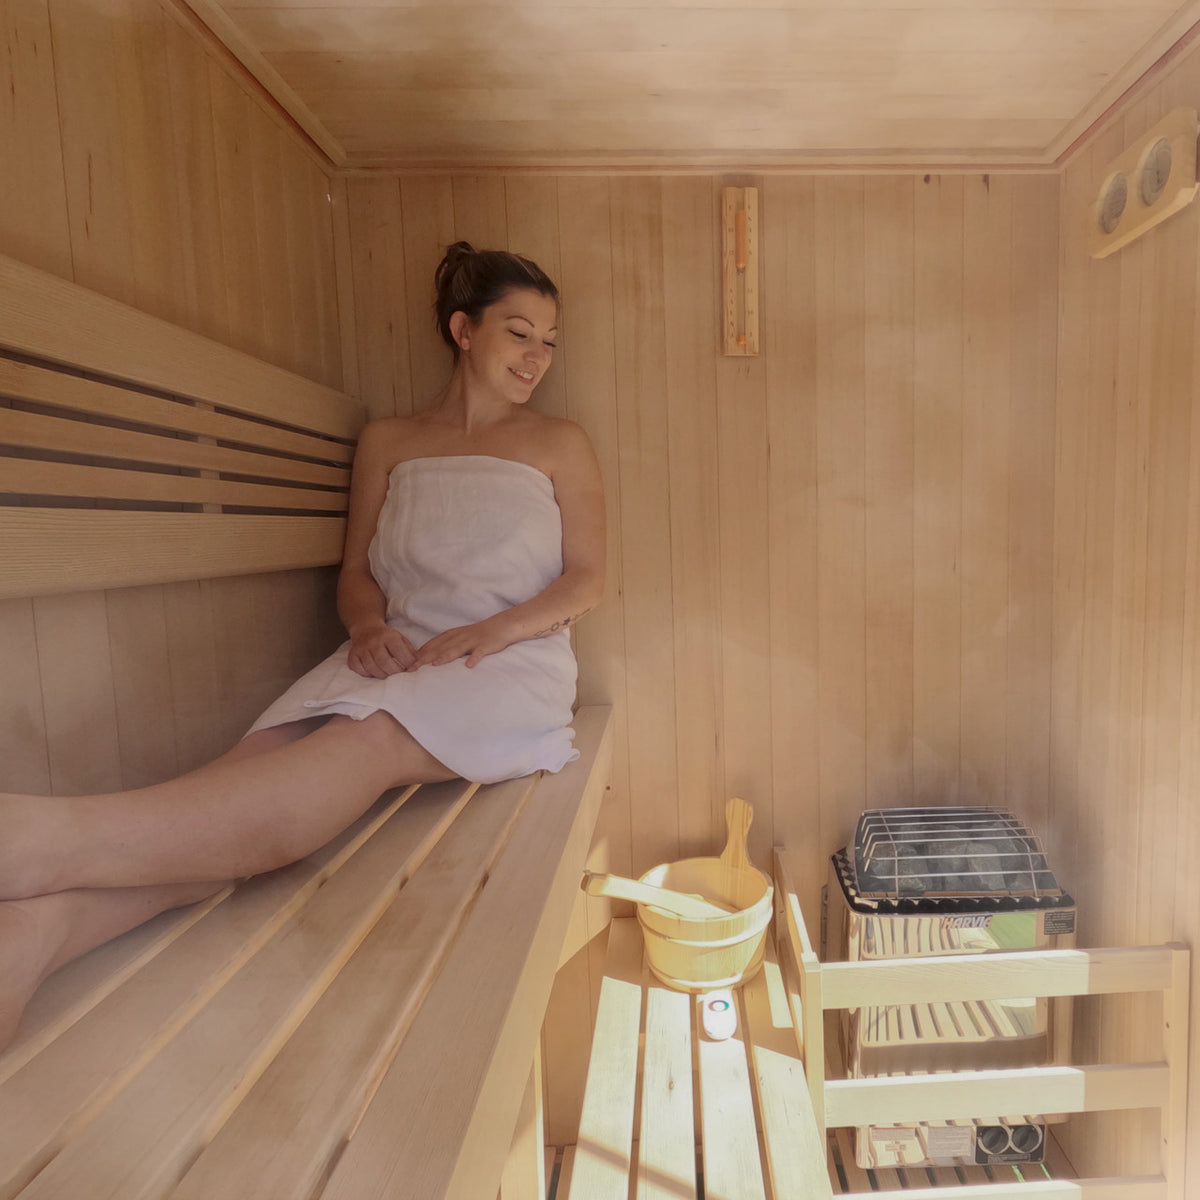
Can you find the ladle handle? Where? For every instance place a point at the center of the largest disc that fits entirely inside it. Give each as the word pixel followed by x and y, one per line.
pixel 681 904
pixel 738 818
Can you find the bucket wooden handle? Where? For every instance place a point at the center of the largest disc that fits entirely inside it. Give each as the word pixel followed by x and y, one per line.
pixel 738 818
pixel 681 904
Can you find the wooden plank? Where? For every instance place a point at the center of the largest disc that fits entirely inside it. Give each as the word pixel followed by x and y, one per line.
pixel 694 507
pixel 76 393
pixel 27 755
pixel 439 1133
pixel 1146 1187
pixel 795 1149
pixel 479 213
pixel 790 348
pixel 34 431
pixel 343 265
pixel 145 1137
pixel 889 359
pixel 840 401
pixel 139 648
pixel 643 446
pixel 996 976
pixel 427 207
pixel 1176 1005
pixel 37 477
pixel 743 457
pixel 55 1095
pixel 729 1140
pixel 809 1020
pixel 76 693
pixel 937 482
pixel 887 1101
pixel 50 318
pixel 51 550
pixel 525 1173
pixel 603 1154
pixel 666 1159
pixel 292 1124
pixel 33 201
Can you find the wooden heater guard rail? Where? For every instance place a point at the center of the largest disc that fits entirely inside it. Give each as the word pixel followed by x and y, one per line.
pixel 962 1094
pixel 133 451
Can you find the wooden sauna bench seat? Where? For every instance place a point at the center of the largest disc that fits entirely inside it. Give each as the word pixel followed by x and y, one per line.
pixel 359 1025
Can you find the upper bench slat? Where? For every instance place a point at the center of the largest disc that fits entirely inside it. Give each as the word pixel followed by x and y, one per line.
pixel 46 317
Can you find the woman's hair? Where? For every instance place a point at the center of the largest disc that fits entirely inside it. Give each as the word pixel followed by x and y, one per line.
pixel 470 280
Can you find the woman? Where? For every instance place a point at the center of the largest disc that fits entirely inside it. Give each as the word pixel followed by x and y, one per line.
pixel 475 540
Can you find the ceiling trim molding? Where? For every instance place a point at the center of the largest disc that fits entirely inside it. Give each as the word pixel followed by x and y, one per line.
pixel 210 14
pixel 914 162
pixel 1160 55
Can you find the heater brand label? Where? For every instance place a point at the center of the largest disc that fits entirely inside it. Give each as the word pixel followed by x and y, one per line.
pixel 969 921
pixel 1060 922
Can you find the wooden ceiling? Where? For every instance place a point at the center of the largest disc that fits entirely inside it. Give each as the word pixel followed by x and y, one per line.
pixel 697 83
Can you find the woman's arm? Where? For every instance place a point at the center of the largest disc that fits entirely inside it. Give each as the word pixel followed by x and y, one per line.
pixel 377 650
pixel 579 492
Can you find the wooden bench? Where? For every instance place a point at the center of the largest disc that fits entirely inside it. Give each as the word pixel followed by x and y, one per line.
pixel 668 1114
pixel 360 1024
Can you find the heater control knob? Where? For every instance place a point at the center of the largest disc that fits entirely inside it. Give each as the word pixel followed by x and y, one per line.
pixel 718 1015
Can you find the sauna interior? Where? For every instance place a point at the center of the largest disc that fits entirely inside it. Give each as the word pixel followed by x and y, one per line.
pixel 938 541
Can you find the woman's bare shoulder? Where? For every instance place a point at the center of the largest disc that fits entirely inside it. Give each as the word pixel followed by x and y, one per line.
pixel 388 440
pixel 561 444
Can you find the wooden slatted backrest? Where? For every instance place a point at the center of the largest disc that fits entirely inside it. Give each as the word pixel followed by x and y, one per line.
pixel 133 451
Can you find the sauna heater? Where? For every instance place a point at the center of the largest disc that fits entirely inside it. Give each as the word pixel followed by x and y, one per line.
pixel 921 882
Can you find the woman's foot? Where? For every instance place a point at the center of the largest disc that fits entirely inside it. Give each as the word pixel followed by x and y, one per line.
pixel 26 952
pixel 29 859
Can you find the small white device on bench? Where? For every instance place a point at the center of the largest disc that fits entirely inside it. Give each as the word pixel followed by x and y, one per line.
pixel 718 1015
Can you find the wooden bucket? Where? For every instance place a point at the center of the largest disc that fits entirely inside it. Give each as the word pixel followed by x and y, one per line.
pixel 700 955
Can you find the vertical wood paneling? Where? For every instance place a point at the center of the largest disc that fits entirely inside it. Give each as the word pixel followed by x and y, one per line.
pixel 790 347
pixel 428 207
pixel 987 244
pixel 745 578
pixel 889 251
pixel 693 464
pixel 480 215
pixel 26 753
pixel 381 323
pixel 1125 603
pixel 643 448
pixel 33 200
pixel 841 503
pixel 135 183
pixel 937 486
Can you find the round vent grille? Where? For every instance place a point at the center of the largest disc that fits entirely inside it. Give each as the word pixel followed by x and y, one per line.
pixel 1156 170
pixel 1112 202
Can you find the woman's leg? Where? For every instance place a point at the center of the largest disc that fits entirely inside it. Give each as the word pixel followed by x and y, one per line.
pixel 250 811
pixel 39 935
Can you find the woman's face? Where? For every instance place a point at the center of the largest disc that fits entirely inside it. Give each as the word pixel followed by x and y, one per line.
pixel 511 346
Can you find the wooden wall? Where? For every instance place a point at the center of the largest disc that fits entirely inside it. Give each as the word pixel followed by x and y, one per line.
pixel 1125 748
pixel 830 579
pixel 139 164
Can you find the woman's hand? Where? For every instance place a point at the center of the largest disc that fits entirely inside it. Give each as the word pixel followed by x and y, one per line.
pixel 472 642
pixel 379 651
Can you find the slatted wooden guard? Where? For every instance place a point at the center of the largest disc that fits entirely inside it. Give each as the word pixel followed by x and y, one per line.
pixel 360 1024
pixel 133 451
pixel 837 1104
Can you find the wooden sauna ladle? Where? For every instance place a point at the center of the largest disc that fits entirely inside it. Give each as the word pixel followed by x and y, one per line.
pixel 682 904
pixel 738 818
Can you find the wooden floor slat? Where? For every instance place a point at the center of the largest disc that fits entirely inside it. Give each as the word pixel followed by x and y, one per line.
pixel 142 1141
pixel 55 1095
pixel 601 1162
pixel 795 1162
pixel 666 1168
pixel 729 1140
